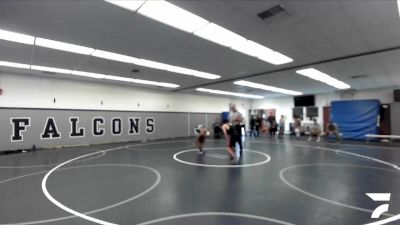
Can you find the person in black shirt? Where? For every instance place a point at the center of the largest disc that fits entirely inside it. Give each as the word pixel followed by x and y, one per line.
pixel 258 125
pixel 272 125
pixel 252 126
pixel 233 136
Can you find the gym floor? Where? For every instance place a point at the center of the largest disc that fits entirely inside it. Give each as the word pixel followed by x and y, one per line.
pixel 167 182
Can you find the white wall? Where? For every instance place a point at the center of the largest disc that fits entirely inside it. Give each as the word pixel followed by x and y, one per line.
pixel 284 105
pixel 32 91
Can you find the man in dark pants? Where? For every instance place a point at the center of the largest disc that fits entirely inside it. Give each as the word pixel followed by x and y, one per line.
pixel 252 126
pixel 233 136
pixel 236 118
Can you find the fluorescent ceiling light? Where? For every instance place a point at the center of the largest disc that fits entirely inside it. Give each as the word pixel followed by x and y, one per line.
pixel 181 70
pixel 168 85
pixel 261 52
pixel 172 15
pixel 16 37
pixel 132 5
pixel 153 64
pixel 398 6
pixel 115 56
pixel 323 77
pixel 219 92
pixel 109 55
pixel 175 69
pixel 50 69
pixel 266 87
pixel 179 18
pixel 88 74
pixel 206 75
pixel 139 81
pixel 47 43
pixel 162 84
pixel 117 78
pixel 275 58
pixel 15 65
pixel 219 35
pixel 251 48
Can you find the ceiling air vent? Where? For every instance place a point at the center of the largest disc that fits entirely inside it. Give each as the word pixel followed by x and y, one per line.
pixel 272 12
pixel 358 76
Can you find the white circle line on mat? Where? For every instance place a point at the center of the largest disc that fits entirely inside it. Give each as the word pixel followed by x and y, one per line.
pixel 391 219
pixel 53 164
pixel 267 159
pixel 216 214
pixel 283 179
pixel 158 179
pixel 82 215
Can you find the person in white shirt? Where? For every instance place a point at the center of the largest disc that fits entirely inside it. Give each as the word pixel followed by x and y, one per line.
pixel 315 131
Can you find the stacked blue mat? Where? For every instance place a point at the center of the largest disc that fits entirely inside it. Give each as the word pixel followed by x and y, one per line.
pixel 356 118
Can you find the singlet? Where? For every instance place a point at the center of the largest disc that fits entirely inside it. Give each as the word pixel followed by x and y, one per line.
pixel 236 130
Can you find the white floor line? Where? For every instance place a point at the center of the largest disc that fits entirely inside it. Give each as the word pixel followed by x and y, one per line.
pixel 53 164
pixel 283 179
pixel 391 219
pixel 216 214
pixel 92 211
pixel 218 156
pixel 176 158
pixel 76 213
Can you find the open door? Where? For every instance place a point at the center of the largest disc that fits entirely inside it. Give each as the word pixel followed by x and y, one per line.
pixel 326 116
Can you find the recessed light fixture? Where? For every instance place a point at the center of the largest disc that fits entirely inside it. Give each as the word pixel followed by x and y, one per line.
pixel 323 77
pixel 153 64
pixel 16 37
pixel 261 52
pixel 219 92
pixel 87 74
pixel 266 87
pixel 181 70
pixel 219 35
pixel 130 5
pixel 172 15
pixel 118 78
pixel 275 58
pixel 251 48
pixel 398 6
pixel 115 56
pixel 47 43
pixel 182 19
pixel 50 69
pixel 15 65
pixel 104 54
pixel 206 75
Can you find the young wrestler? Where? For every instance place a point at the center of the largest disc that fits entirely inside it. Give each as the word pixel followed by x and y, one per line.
pixel 230 139
pixel 201 138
